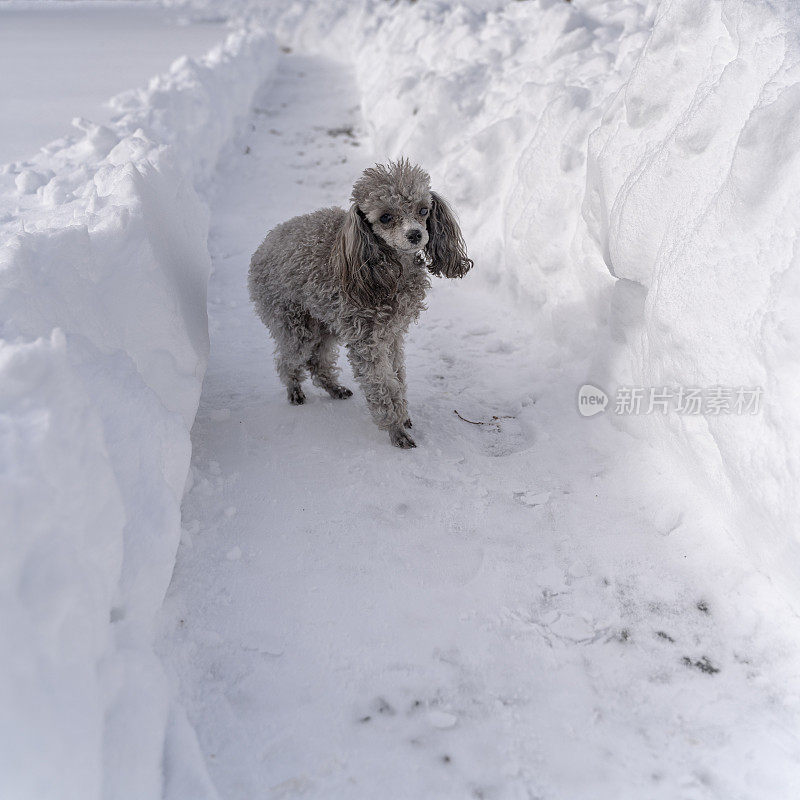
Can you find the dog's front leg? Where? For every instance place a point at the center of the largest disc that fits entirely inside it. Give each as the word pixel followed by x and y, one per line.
pixel 399 364
pixel 373 368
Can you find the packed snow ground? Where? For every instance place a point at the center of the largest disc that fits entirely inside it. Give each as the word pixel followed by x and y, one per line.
pixel 59 61
pixel 502 612
pixel 530 604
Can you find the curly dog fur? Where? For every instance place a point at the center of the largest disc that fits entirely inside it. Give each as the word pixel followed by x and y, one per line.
pixel 357 277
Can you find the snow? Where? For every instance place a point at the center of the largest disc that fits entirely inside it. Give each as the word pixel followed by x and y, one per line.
pixel 535 605
pixel 532 603
pixel 49 57
pixel 691 197
pixel 103 272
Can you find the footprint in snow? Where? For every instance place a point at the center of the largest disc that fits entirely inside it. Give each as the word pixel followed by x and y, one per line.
pixel 500 435
pixel 501 347
pixel 481 330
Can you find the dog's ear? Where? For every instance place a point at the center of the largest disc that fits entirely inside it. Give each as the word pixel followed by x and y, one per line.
pixel 367 271
pixel 446 245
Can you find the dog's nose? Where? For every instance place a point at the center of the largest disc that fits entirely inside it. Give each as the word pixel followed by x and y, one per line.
pixel 415 236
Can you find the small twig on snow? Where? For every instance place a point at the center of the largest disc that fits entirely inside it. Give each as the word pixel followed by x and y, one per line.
pixel 493 421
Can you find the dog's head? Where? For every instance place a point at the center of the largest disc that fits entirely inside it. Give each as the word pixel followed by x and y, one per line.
pixel 394 214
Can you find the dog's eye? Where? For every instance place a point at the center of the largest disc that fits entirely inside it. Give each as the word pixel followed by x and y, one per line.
pixel 385 219
pixel 423 212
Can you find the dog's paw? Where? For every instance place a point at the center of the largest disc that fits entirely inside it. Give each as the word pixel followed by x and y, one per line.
pixel 296 396
pixel 407 423
pixel 339 392
pixel 401 439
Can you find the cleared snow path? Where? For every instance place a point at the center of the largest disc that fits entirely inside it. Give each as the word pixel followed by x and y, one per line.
pixel 500 613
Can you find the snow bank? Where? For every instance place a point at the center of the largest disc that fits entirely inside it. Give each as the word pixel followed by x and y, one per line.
pixel 627 168
pixel 103 345
pixel 692 198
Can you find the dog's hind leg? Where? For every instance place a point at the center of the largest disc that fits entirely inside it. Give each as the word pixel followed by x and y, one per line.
pixel 291 371
pixel 322 365
pixel 295 337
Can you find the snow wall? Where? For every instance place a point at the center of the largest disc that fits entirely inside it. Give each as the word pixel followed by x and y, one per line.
pixel 103 346
pixel 628 170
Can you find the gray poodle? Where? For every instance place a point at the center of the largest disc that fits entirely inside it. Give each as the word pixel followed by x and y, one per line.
pixel 357 277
